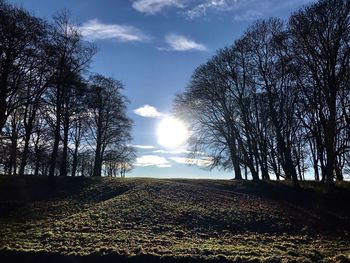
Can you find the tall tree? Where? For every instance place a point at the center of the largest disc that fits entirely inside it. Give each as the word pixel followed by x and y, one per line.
pixel 109 126
pixel 19 35
pixel 267 44
pixel 321 44
pixel 209 108
pixel 35 83
pixel 72 56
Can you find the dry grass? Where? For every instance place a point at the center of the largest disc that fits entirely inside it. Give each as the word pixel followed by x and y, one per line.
pixel 169 220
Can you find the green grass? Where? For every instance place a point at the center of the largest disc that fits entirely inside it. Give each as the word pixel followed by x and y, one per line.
pixel 167 220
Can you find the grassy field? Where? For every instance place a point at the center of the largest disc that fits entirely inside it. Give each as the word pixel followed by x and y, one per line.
pixel 150 220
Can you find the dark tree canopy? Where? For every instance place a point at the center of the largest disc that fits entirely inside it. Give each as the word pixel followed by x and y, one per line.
pixel 49 106
pixel 277 101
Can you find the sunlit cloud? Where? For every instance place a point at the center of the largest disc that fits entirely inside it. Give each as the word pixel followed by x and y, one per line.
pixel 96 30
pixel 181 43
pixel 175 151
pixel 156 6
pixel 148 111
pixel 202 162
pixel 152 160
pixel 138 146
pixel 164 165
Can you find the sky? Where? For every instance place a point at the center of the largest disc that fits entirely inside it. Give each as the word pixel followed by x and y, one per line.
pixel 153 47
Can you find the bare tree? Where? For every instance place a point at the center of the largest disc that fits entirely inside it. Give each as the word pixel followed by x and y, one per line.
pixel 72 56
pixel 208 107
pixel 321 51
pixel 19 37
pixel 268 52
pixel 109 126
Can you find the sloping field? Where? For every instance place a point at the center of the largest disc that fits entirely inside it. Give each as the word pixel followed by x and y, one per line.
pixel 150 220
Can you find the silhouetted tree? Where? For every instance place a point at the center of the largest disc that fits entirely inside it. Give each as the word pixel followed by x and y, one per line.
pixel 109 125
pixel 71 57
pixel 20 34
pixel 46 105
pixel 209 108
pixel 320 36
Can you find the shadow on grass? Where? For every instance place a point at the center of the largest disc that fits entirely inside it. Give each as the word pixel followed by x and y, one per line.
pixel 17 192
pixel 44 257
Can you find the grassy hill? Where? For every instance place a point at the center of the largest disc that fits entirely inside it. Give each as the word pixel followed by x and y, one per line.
pixel 150 220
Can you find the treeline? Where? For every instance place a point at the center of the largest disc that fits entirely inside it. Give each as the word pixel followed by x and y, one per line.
pixel 55 117
pixel 277 102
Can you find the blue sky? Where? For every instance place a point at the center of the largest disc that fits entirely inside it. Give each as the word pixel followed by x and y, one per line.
pixel 153 46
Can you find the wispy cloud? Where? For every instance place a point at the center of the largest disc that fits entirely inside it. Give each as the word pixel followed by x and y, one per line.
pixel 249 15
pixel 152 160
pixel 96 30
pixel 181 43
pixel 155 6
pixel 192 8
pixel 210 5
pixel 138 146
pixel 176 151
pixel 250 10
pixel 148 111
pixel 242 10
pixel 202 162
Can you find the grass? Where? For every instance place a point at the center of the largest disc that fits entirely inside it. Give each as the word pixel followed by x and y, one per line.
pixel 152 220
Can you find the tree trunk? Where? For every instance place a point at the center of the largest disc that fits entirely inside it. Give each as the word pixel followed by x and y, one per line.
pixel 75 160
pixel 37 166
pixel 255 174
pixel 13 155
pixel 25 153
pixel 235 161
pixel 338 170
pixel 77 138
pixel 98 158
pixel 3 91
pixel 265 173
pixel 56 134
pixel 97 163
pixel 317 174
pixel 330 134
pixel 291 169
pixel 13 150
pixel 3 116
pixel 238 174
pixel 253 168
pixel 63 168
pixel 98 153
pixel 28 132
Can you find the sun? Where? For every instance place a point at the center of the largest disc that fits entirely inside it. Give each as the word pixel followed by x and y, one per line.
pixel 172 132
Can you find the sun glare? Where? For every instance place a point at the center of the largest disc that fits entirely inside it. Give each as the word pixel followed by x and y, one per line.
pixel 172 132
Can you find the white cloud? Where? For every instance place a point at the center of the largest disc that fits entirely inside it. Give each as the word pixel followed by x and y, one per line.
pixel 193 8
pixel 246 10
pixel 138 146
pixel 152 160
pixel 148 111
pixel 96 30
pixel 176 151
pixel 203 162
pixel 155 6
pixel 164 165
pixel 218 5
pixel 181 43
